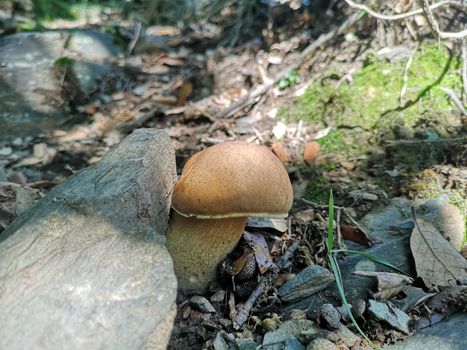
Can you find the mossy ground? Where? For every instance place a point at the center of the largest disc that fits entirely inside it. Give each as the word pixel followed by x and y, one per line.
pixel 429 184
pixel 365 113
pixel 373 100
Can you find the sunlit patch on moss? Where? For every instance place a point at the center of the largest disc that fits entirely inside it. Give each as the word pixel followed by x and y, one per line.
pixel 373 100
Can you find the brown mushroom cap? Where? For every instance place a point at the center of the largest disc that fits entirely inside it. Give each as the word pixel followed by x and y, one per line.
pixel 233 179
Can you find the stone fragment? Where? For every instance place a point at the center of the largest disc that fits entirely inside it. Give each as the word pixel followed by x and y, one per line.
pixel 202 304
pixel 321 344
pixel 395 317
pixel 347 336
pixel 246 344
pixel 86 267
pixel 275 340
pixel 310 280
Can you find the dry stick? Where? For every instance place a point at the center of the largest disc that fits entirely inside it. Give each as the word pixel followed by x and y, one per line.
pixel 402 15
pixel 405 79
pixel 262 89
pixel 338 227
pixel 409 142
pixel 135 38
pixel 464 66
pixel 435 26
pixel 244 312
pixel 452 95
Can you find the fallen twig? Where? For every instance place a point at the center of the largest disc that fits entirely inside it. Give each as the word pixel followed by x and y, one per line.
pixel 452 95
pixel 405 78
pixel 135 38
pixel 402 15
pixel 427 10
pixel 265 281
pixel 262 89
pixel 408 142
pixel 464 66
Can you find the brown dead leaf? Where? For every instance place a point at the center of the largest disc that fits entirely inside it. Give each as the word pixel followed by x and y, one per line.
pixel 41 154
pixel 386 280
pixel 436 261
pixel 183 93
pixel 260 247
pixel 389 293
pixel 172 61
pixel 238 264
pixel 356 235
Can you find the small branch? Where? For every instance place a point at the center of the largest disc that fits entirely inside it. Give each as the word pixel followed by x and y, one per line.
pixel 452 95
pixel 435 26
pixel 262 89
pixel 338 228
pixel 464 66
pixel 135 38
pixel 265 281
pixel 405 79
pixel 410 142
pixel 427 9
pixel 244 312
pixel 402 15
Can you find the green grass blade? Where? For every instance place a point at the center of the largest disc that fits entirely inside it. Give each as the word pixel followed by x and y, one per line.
pixel 345 304
pixel 375 258
pixel 330 223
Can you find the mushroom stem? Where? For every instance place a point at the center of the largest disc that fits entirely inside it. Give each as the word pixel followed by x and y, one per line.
pixel 197 246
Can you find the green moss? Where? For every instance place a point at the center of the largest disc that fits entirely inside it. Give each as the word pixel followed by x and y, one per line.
pixel 340 144
pixel 63 62
pixel 372 100
pixel 429 185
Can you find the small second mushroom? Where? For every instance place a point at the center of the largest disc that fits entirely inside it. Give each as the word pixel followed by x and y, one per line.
pixel 220 187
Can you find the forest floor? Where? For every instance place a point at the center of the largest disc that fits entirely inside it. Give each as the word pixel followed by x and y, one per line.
pixel 381 98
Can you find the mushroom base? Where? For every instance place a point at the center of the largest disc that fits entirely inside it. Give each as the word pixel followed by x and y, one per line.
pixel 197 246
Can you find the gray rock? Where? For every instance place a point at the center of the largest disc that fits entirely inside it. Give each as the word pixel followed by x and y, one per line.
pixel 37 89
pixel 25 198
pixel 346 335
pixel 395 317
pixel 275 340
pixel 6 151
pixel 93 46
pixel 330 315
pixel 388 224
pixel 29 88
pixel 88 75
pixel 7 23
pixel 218 296
pixel 201 304
pixel 310 280
pixel 86 267
pixel 219 342
pixel 246 344
pixel 321 344
pixel 445 335
pixel 291 343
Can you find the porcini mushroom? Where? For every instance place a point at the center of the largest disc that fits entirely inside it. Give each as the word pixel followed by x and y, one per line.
pixel 220 187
